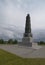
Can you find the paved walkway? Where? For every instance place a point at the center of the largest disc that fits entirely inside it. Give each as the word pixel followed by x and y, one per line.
pixel 25 52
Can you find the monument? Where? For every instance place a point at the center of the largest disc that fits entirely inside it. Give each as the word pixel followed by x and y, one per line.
pixel 27 41
pixel 27 37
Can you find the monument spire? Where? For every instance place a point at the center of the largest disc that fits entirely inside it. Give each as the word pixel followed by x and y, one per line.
pixel 27 26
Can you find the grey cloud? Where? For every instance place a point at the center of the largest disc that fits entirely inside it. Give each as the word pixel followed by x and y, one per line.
pixel 13 12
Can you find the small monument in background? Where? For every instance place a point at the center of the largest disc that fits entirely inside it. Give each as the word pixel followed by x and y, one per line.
pixel 27 37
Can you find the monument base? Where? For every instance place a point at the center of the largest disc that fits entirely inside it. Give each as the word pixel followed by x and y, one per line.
pixel 27 41
pixel 29 45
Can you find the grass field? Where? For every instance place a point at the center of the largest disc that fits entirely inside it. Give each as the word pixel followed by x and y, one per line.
pixel 7 58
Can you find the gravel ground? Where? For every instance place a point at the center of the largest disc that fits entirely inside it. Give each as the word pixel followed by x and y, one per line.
pixel 25 52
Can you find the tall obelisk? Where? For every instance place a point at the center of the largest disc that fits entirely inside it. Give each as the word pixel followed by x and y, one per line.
pixel 27 37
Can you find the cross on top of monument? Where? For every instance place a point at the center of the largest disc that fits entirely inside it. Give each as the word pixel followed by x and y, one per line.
pixel 28 16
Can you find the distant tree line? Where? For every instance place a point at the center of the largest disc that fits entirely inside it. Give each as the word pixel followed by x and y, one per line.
pixel 41 43
pixel 10 41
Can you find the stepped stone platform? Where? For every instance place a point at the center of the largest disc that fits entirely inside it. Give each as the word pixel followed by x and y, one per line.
pixel 24 51
pixel 28 45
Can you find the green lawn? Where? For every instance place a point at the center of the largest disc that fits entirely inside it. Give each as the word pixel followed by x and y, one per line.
pixel 7 58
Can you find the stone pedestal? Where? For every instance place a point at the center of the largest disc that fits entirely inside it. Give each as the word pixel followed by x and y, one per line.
pixel 27 41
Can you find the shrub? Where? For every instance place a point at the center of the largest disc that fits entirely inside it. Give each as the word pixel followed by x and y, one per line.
pixel 15 41
pixel 1 41
pixel 10 41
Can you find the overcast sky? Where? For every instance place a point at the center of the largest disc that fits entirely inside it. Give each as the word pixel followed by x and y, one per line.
pixel 13 13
